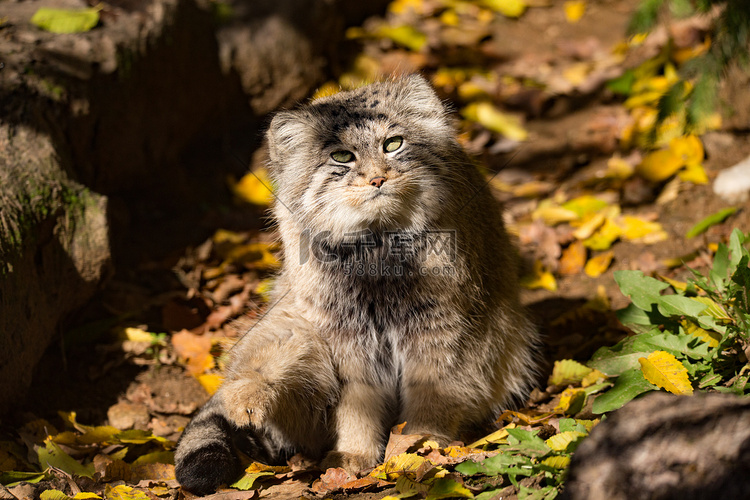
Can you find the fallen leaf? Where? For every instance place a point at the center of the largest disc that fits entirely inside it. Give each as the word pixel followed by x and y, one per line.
pixel 66 20
pixel 573 258
pixel 596 266
pixel 51 455
pixel 124 492
pixel 195 349
pixel 561 441
pixel 210 382
pixel 574 10
pixel 539 278
pixel 568 371
pixel 254 187
pixel 711 220
pixel 332 480
pixel 659 165
pixel 571 401
pixel 491 118
pixel 664 370
pixel 508 8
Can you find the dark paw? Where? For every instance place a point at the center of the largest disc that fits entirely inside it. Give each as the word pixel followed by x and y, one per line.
pixel 204 470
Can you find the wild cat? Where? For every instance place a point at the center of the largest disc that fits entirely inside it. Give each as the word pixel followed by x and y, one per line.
pixel 397 300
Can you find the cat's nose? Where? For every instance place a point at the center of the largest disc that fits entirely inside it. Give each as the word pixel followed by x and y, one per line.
pixel 377 181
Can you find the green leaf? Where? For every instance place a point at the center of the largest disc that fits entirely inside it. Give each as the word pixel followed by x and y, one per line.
pixel 678 305
pixel 628 385
pixel 53 456
pixel 645 16
pixel 504 463
pixel 622 84
pixel 66 20
pixel 642 290
pixel 528 442
pixel 445 487
pixel 247 481
pixel 709 221
pixel 571 425
pixel 53 495
pixel 11 478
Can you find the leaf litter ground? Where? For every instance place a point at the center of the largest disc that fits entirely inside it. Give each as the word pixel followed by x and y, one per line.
pixel 592 187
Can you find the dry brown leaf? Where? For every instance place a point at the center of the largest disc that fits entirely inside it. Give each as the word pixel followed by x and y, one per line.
pixel 573 258
pixel 195 349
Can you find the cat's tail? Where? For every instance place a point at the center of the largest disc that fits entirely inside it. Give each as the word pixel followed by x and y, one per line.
pixel 206 455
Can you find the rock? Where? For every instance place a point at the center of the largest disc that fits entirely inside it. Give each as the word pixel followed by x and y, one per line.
pixel 666 447
pixel 733 183
pixel 126 416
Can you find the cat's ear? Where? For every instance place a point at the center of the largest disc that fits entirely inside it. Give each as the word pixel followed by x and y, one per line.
pixel 284 133
pixel 418 92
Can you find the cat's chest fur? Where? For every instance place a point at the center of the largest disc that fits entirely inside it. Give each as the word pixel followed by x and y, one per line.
pixel 372 293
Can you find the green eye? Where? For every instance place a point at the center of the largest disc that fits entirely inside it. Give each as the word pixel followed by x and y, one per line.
pixel 392 144
pixel 342 156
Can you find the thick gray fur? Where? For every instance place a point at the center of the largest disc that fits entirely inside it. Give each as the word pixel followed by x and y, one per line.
pixel 362 333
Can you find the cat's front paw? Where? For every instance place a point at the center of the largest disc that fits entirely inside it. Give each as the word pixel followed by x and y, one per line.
pixel 247 402
pixel 350 462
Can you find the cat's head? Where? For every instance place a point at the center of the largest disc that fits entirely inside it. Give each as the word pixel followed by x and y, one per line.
pixel 380 157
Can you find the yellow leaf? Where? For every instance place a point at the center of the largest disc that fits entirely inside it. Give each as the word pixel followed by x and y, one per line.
pixel 659 165
pixel 714 310
pixel 577 73
pixel 588 226
pixel 688 148
pixel 210 382
pixel 694 173
pixel 574 10
pixel 403 464
pixel 495 120
pixel 259 467
pixel 552 214
pixel 406 35
pixel 567 371
pixel 450 18
pixel 254 187
pixel 618 168
pixel 123 492
pixel 540 278
pixel 597 265
pixel 592 378
pixel 508 8
pixel 99 434
pixel 634 228
pixel 85 495
pixel 603 238
pixel 403 6
pixel 680 286
pixel 710 338
pixel 585 205
pixel 664 370
pixel 560 442
pixel 571 401
pixel 499 436
pixel 532 189
pixel 557 461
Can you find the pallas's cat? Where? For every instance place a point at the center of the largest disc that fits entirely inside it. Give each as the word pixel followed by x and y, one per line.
pixel 397 300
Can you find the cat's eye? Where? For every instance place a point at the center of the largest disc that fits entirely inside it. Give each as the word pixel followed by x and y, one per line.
pixel 342 156
pixel 392 144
